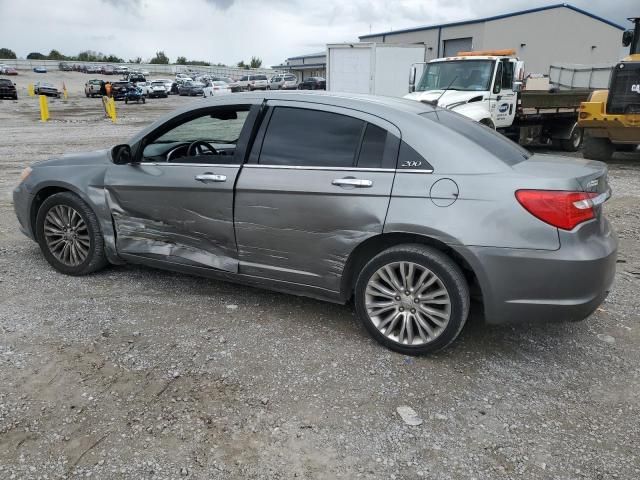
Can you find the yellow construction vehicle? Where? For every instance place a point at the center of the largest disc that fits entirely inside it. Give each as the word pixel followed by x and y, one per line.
pixel 611 118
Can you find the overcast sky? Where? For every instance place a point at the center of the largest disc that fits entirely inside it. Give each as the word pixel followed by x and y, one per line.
pixel 228 31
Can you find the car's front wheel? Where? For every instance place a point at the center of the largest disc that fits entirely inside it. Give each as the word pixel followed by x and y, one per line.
pixel 69 235
pixel 412 299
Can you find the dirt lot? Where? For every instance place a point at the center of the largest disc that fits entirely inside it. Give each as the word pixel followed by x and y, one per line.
pixel 137 373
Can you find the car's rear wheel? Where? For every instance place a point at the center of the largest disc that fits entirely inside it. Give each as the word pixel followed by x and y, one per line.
pixel 412 299
pixel 69 235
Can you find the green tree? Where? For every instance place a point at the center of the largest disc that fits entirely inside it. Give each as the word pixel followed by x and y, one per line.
pixel 241 64
pixel 256 62
pixel 136 60
pixel 160 59
pixel 113 59
pixel 6 53
pixel 181 60
pixel 36 56
pixel 56 55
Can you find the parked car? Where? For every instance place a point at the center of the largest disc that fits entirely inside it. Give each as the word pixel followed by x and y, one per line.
pixel 157 89
pixel 119 89
pixel 145 73
pixel 93 88
pixel 64 66
pixel 40 69
pixel 121 70
pixel 406 209
pixel 313 83
pixel 283 82
pixel 8 89
pixel 144 86
pixel 191 88
pixel 108 70
pixel 136 77
pixel 216 87
pixel 3 68
pixel 93 69
pixel 45 88
pixel 167 84
pixel 10 71
pixel 134 94
pixel 253 82
pixel 182 77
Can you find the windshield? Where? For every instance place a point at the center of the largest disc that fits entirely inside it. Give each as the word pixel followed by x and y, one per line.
pixel 467 75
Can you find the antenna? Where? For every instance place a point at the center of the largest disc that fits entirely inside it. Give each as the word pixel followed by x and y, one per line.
pixel 435 102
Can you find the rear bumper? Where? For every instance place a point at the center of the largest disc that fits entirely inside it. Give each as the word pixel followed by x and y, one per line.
pixel 535 285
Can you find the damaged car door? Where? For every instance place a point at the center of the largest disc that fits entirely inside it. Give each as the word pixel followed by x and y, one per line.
pixel 173 202
pixel 317 184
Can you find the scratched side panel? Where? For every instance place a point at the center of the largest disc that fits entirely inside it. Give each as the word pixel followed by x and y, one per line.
pixel 162 212
pixel 294 225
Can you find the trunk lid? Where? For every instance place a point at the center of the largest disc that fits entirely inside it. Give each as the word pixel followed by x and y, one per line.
pixel 574 173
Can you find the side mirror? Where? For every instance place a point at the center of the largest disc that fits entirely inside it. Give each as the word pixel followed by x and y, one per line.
pixel 121 154
pixel 517 86
pixel 412 79
pixel 627 38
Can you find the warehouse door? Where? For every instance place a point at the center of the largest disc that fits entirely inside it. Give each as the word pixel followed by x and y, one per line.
pixel 455 45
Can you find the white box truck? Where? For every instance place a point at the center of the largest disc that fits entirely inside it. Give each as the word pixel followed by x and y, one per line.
pixel 373 68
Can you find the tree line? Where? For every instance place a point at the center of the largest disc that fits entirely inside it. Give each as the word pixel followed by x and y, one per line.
pixel 160 58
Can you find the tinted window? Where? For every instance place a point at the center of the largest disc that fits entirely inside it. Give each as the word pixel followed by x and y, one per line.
pixel 302 137
pixel 372 150
pixel 244 79
pixel 486 138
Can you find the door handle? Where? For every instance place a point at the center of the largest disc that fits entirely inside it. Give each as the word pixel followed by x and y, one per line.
pixel 352 182
pixel 211 177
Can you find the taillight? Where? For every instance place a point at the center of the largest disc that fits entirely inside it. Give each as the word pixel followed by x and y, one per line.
pixel 559 208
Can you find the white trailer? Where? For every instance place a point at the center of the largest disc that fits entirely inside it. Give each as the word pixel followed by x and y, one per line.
pixel 373 68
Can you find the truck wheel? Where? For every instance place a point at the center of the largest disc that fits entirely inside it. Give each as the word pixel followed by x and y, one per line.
pixel 573 143
pixel 412 299
pixel 597 148
pixel 487 123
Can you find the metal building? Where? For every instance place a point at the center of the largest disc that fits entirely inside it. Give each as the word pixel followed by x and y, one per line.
pixel 305 66
pixel 541 36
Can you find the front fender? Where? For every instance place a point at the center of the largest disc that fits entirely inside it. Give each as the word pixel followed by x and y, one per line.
pixel 475 111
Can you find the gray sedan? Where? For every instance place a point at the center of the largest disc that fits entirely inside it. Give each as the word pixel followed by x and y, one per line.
pixel 409 210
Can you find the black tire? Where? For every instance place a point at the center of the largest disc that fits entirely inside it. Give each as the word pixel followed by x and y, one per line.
pixel 487 123
pixel 447 272
pixel 625 148
pixel 597 148
pixel 573 143
pixel 96 258
pixel 126 100
pixel 143 100
pixel 15 97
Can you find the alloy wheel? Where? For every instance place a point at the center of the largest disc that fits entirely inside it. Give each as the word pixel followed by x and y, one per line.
pixel 407 303
pixel 66 235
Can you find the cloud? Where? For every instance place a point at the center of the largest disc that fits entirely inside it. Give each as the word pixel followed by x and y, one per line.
pixel 221 4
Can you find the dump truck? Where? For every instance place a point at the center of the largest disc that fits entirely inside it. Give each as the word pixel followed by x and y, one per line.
pixel 611 118
pixel 489 87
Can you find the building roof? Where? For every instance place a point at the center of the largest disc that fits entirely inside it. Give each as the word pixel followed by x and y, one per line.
pixel 496 17
pixel 308 55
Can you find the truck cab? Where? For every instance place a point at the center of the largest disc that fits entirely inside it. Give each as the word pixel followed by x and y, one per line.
pixel 483 86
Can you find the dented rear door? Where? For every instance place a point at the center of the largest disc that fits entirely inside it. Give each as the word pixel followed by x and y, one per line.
pixel 312 191
pixel 179 213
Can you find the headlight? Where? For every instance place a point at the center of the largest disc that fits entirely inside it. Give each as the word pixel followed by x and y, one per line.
pixel 25 174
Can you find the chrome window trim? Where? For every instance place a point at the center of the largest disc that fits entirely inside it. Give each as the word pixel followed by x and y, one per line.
pixel 166 164
pixel 344 169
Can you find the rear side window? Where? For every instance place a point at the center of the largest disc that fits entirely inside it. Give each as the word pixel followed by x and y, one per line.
pixel 379 148
pixel 509 152
pixel 300 137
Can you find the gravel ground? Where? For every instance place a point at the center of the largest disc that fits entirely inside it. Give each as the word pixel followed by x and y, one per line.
pixel 138 373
